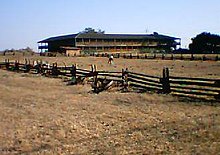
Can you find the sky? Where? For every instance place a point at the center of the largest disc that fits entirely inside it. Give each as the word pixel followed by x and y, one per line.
pixel 25 22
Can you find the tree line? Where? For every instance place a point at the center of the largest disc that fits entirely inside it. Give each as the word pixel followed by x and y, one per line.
pixel 12 51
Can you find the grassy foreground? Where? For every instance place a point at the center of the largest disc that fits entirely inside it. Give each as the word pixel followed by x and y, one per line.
pixel 41 115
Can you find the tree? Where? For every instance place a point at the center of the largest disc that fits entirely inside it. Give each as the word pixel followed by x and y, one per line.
pixel 100 31
pixel 91 30
pixel 205 43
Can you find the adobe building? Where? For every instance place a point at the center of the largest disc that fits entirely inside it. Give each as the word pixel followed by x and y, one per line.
pixel 99 42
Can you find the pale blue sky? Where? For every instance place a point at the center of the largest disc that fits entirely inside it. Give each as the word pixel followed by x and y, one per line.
pixel 24 22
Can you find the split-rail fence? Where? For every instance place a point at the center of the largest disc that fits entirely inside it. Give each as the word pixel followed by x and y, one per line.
pixel 201 88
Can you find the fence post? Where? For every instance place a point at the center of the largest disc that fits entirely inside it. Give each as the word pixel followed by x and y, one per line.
pixel 125 79
pixel 203 58
pixel 73 71
pixel 7 64
pixel 16 65
pixel 165 81
pixel 172 57
pixel 95 78
pixel 54 69
pixel 145 56
pixel 27 66
pixel 181 57
pixel 163 56
pixel 192 57
pixel 73 74
pixel 216 58
pixel 92 68
pixel 39 69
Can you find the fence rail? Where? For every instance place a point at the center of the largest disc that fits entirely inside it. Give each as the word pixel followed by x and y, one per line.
pixel 198 87
pixel 203 88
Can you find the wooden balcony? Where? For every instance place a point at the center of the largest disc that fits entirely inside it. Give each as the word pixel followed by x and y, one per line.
pixel 116 44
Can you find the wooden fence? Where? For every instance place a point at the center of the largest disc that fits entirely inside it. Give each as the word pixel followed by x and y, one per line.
pixel 191 57
pixel 195 87
pixel 201 88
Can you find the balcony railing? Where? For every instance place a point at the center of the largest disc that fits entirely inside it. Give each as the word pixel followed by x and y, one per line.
pixel 110 44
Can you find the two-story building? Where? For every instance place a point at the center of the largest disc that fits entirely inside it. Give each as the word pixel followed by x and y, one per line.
pixel 100 42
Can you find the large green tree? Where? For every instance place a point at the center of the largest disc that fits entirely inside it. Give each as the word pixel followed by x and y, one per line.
pixel 205 43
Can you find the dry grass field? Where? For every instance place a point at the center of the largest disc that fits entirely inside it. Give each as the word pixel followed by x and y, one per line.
pixel 41 115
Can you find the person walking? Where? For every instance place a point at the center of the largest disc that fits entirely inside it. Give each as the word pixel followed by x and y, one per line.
pixel 110 60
